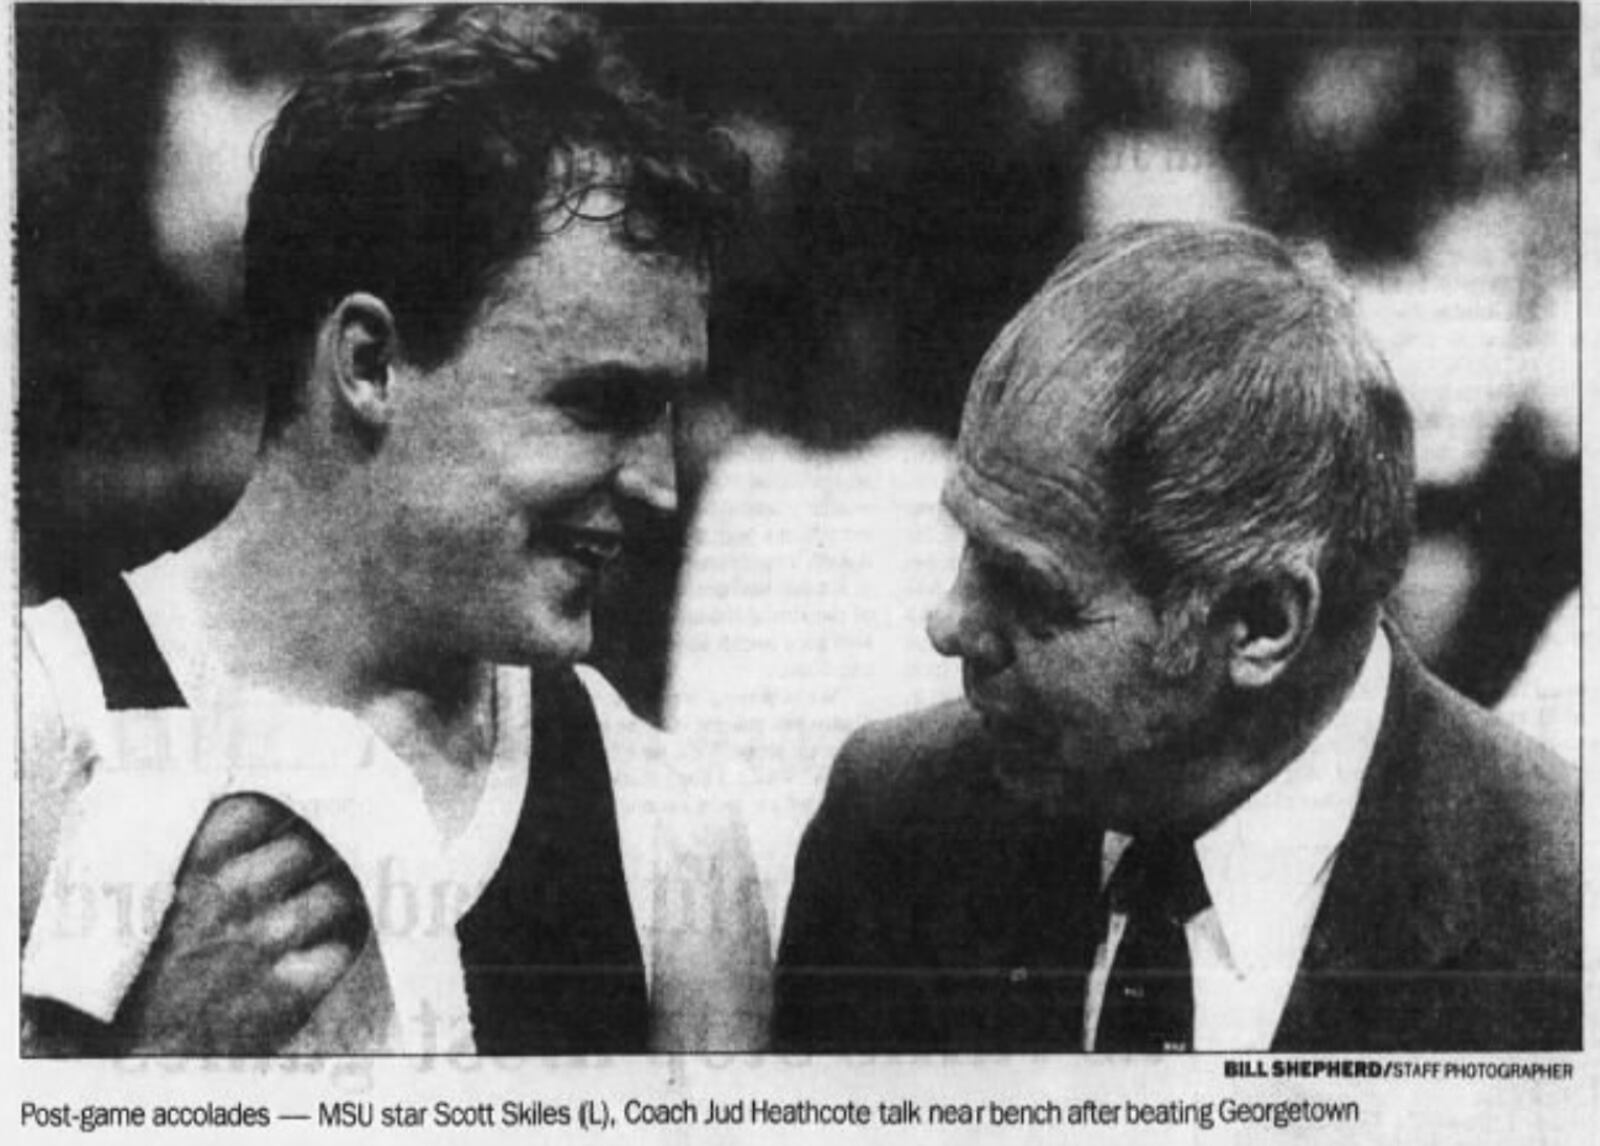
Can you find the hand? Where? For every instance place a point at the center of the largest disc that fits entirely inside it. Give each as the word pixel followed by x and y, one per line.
pixel 264 922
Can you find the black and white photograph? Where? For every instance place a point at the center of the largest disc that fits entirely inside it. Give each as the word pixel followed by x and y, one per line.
pixel 799 543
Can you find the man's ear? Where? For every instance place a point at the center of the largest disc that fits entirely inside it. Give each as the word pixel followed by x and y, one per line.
pixel 361 344
pixel 1268 620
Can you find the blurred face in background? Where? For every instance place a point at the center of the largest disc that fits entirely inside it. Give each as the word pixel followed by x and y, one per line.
pixel 512 472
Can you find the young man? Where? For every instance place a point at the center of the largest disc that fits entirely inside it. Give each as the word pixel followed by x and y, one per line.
pixel 476 278
pixel 1200 794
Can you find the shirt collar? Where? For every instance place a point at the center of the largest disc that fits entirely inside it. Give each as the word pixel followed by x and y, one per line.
pixel 1274 850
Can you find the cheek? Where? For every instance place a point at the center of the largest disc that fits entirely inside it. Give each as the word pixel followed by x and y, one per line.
pixel 445 537
pixel 1084 681
pixel 553 469
pixel 1060 684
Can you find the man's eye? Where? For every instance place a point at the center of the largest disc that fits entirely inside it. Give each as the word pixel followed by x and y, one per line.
pixel 1036 604
pixel 618 408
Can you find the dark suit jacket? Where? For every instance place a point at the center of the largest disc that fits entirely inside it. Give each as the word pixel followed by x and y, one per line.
pixel 935 911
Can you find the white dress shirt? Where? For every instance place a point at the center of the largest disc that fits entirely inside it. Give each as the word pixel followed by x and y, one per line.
pixel 1266 867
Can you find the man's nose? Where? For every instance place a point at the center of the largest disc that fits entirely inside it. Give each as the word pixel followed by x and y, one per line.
pixel 962 623
pixel 648 470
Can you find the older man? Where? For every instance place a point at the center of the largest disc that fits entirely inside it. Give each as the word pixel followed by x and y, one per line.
pixel 1200 794
pixel 476 278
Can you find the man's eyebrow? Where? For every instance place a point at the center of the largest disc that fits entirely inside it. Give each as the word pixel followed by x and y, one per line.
pixel 1058 584
pixel 998 555
pixel 628 374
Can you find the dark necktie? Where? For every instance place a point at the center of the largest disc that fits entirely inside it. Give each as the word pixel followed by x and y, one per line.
pixel 1149 1000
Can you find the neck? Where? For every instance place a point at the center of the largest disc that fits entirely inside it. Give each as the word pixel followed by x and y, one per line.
pixel 290 588
pixel 1249 740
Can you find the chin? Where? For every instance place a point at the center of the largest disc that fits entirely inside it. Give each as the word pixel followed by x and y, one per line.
pixel 1032 771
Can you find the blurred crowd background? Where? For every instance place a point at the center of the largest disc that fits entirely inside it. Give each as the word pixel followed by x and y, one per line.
pixel 917 169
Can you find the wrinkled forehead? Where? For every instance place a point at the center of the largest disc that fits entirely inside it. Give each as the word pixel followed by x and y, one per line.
pixel 1028 461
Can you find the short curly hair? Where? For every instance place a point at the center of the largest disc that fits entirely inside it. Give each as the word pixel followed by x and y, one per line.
pixel 433 149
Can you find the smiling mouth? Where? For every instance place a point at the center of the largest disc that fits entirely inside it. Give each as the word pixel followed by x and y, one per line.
pixel 594 548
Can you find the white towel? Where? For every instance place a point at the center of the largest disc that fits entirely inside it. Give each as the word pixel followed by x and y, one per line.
pixel 157 772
